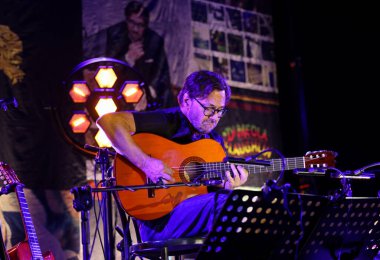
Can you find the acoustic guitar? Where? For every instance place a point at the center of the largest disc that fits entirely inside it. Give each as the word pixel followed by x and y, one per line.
pixel 197 162
pixel 30 247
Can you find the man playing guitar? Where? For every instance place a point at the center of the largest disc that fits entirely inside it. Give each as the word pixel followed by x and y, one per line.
pixel 202 103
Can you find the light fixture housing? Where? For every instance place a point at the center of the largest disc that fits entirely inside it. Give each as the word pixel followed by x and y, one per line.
pixel 93 88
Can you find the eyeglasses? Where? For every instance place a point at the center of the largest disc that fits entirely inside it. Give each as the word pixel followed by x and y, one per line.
pixel 209 111
pixel 138 25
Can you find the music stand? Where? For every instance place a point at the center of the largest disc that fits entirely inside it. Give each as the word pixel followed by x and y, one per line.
pixel 257 225
pixel 350 229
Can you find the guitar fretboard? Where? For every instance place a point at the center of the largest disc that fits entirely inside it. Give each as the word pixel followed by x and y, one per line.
pixel 28 223
pixel 217 170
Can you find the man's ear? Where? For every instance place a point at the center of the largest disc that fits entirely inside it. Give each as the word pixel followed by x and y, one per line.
pixel 185 100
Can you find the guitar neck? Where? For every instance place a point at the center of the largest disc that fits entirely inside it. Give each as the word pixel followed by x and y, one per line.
pixel 28 224
pixel 217 170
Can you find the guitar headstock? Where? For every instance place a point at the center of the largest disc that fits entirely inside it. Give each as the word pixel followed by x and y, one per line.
pixel 8 178
pixel 320 159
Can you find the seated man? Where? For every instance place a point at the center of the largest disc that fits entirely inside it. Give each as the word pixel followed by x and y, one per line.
pixel 202 102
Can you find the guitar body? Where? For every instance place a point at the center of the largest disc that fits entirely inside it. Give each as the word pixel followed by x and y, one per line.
pixel 21 251
pixel 197 162
pixel 148 204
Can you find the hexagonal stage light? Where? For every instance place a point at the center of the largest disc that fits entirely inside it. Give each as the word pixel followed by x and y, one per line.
pixel 102 139
pixel 95 87
pixel 79 92
pixel 105 105
pixel 131 92
pixel 105 77
pixel 79 123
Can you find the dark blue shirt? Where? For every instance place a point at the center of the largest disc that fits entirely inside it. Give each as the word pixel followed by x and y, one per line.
pixel 170 123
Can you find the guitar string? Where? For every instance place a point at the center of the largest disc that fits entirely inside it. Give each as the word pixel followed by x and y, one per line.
pixel 215 168
pixel 291 162
pixel 223 165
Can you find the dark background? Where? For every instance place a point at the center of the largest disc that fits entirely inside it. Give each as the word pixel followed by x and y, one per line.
pixel 327 55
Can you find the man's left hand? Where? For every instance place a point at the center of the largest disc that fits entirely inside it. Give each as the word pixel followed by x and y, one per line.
pixel 236 178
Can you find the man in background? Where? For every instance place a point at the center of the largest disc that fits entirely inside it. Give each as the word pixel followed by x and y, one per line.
pixel 143 49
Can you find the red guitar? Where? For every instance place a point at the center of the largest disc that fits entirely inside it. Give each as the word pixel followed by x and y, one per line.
pixel 197 161
pixel 30 248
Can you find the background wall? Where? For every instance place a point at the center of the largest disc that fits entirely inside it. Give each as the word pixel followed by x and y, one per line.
pixel 329 100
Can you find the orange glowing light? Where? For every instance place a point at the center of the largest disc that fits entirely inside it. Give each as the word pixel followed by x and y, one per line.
pixel 105 77
pixel 132 92
pixel 79 92
pixel 79 123
pixel 102 139
pixel 105 105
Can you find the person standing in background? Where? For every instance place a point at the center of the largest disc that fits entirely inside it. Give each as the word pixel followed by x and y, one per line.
pixel 143 49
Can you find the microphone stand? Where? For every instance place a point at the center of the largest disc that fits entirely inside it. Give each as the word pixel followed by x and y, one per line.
pixel 102 159
pixel 83 203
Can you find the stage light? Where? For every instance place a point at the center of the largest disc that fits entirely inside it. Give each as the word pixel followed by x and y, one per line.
pixel 79 123
pixel 106 77
pixel 95 87
pixel 132 92
pixel 79 92
pixel 105 105
pixel 102 139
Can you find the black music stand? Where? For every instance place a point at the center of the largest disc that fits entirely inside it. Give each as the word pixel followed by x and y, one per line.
pixel 258 225
pixel 350 229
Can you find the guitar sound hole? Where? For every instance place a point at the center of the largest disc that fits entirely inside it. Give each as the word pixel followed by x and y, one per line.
pixel 192 171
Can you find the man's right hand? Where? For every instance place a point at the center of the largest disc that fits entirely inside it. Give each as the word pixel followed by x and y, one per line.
pixel 135 52
pixel 156 169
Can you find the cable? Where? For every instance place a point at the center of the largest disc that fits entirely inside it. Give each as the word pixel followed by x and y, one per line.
pixel 361 170
pixel 282 157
